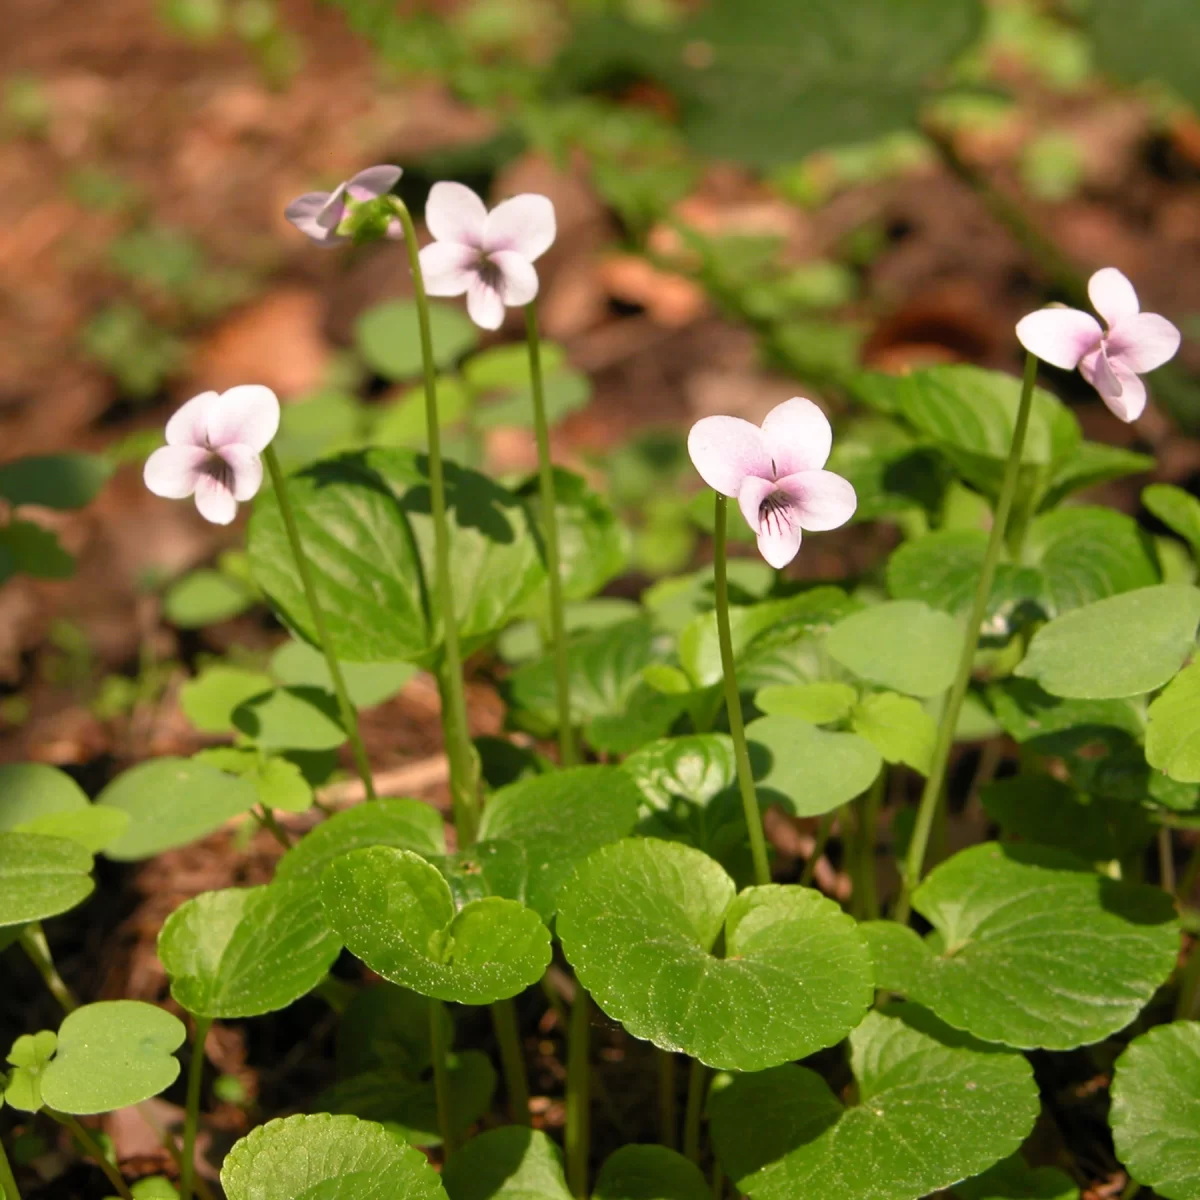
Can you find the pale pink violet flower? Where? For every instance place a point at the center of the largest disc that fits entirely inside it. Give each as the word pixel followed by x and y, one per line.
pixel 1111 359
pixel 319 215
pixel 489 256
pixel 212 451
pixel 775 474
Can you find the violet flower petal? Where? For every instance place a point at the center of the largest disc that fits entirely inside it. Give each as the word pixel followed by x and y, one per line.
pixel 189 424
pixel 454 213
pixel 518 278
pixel 1143 342
pixel 798 436
pixel 449 268
pixel 373 182
pixel 173 471
pixel 779 537
pixel 1112 296
pixel 214 500
pixel 821 500
pixel 525 224
pixel 750 496
pixel 246 468
pixel 485 304
pixel 1059 336
pixel 726 450
pixel 246 415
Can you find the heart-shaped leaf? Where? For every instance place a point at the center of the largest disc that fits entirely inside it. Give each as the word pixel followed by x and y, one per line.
pixel 205 597
pixel 60 481
pixel 933 1106
pixel 1173 728
pixel 1013 1179
pixel 817 703
pixel 639 922
pixel 1076 656
pixel 209 700
pixel 30 1054
pixel 291 718
pixel 396 912
pixel 903 645
pixel 112 1054
pixel 324 1157
pixel 279 782
pixel 242 952
pixel 807 770
pixel 365 525
pixel 41 876
pixel 170 802
pixel 297 664
pixel 1030 947
pixel 1156 1109
pixel 1177 509
pixel 388 337
pixel 45 800
pixel 649 1173
pixel 898 727
pixel 405 824
pixel 512 1163
pixel 1089 464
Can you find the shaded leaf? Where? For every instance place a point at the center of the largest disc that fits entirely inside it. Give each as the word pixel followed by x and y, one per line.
pixel 41 876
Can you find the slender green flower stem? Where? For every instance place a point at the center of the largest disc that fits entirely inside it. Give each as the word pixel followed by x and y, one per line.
pixel 667 1116
pixel 915 862
pixel 33 942
pixel 866 904
pixel 516 1080
pixel 191 1115
pixel 718 1181
pixel 733 702
pixel 441 1077
pixel 579 1093
pixel 697 1077
pixel 272 826
pixel 1190 874
pixel 345 707
pixel 558 630
pixel 8 1181
pixel 824 829
pixel 464 783
pixel 92 1149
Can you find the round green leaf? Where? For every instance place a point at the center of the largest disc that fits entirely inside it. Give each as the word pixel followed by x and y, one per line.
pixel 30 1054
pixel 1030 947
pixel 817 703
pixel 639 922
pixel 1013 1179
pixel 112 1054
pixel 209 700
pixel 807 770
pixel 933 1107
pixel 1030 714
pixel 291 718
pixel 298 664
pixel 1154 629
pixel 53 480
pixel 95 828
pixel 650 1173
pixel 242 952
pixel 405 824
pixel 1156 1109
pixel 389 338
pixel 279 783
pixel 402 422
pixel 170 802
pixel 512 1163
pixel 898 727
pixel 396 912
pixel 41 876
pixel 1091 463
pixel 205 597
pixel 1173 728
pixel 324 1157
pixel 33 790
pixel 902 644
pixel 500 367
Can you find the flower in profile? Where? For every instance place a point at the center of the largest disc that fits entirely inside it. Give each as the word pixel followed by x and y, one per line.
pixel 212 451
pixel 1111 359
pixel 775 474
pixel 328 217
pixel 487 255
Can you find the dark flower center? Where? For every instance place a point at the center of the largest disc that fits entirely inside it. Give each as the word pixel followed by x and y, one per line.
pixel 775 513
pixel 218 470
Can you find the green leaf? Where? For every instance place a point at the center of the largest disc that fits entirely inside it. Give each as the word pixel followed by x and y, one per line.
pixel 1173 727
pixel 807 770
pixel 500 367
pixel 1029 714
pixel 1157 40
pixel 1039 808
pixel 242 952
pixel 564 393
pixel 30 1054
pixel 324 1157
pixel 41 876
pixel 1030 947
pixel 901 644
pixel 1085 554
pixel 396 912
pixel 512 1163
pixel 817 703
pixel 205 597
pixel 1177 509
pixel 112 1054
pixel 898 727
pixel 1156 1109
pixel 208 701
pixel 297 664
pixel 170 802
pixel 32 550
pixel 403 423
pixel 1013 1179
pixel 932 1107
pixel 1092 463
pixel 365 525
pixel 556 820
pixel 649 1173
pixel 388 337
pixel 291 718
pixel 639 922
pixel 840 76
pixel 280 784
pixel 53 480
pixel 1154 627
pixel 404 824
pixel 387 1027
pixel 327 422
pixel 42 799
